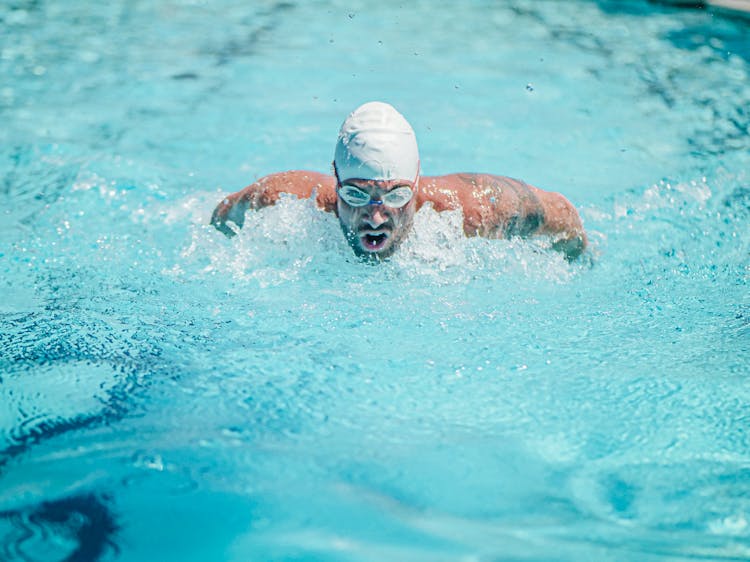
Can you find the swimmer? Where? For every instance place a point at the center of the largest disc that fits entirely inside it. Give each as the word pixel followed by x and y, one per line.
pixel 376 188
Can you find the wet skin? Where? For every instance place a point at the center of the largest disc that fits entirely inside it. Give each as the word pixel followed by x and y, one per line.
pixel 492 206
pixel 376 230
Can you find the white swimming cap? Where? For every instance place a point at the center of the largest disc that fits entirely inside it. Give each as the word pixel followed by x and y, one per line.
pixel 376 143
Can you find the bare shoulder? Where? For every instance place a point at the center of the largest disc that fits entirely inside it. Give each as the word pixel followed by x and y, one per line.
pixel 501 207
pixel 469 187
pixel 494 206
pixel 301 183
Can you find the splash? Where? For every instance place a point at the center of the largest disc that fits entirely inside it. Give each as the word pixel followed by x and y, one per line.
pixel 439 250
pixel 694 221
pixel 277 244
pixel 293 239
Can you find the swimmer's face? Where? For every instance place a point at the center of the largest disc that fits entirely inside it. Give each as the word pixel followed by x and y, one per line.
pixel 376 230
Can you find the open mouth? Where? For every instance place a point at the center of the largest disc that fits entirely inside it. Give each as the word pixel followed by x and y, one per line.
pixel 374 241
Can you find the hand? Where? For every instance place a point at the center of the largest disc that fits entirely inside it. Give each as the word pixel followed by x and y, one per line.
pixel 229 215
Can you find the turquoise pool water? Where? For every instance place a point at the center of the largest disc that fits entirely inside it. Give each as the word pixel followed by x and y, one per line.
pixel 168 394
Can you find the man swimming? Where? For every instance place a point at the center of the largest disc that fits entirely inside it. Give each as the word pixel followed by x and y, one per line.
pixel 376 188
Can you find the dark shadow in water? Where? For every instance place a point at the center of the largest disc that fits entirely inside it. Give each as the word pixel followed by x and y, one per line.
pixel 725 32
pixel 717 39
pixel 84 522
pixel 645 7
pixel 724 39
pixel 261 27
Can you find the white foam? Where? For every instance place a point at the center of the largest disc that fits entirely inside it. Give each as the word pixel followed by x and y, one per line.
pixel 282 243
pixel 439 249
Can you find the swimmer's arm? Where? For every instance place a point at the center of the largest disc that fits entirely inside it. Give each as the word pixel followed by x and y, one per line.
pixel 232 209
pixel 266 192
pixel 519 209
pixel 562 223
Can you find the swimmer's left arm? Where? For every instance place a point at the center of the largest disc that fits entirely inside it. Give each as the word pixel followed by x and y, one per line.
pixel 507 207
pixel 562 223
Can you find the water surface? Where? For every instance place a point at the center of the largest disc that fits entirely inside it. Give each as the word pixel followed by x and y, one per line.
pixel 169 393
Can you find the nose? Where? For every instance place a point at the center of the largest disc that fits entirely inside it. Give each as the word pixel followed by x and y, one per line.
pixel 375 216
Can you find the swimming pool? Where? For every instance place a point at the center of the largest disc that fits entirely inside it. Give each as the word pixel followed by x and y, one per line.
pixel 171 394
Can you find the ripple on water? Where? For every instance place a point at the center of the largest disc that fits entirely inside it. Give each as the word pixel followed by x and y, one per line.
pixel 48 398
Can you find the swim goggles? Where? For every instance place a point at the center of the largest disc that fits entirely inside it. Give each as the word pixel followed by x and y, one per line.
pixel 356 197
pixel 395 198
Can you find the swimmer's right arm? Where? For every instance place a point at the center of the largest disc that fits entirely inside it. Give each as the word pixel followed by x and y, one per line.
pixel 229 215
